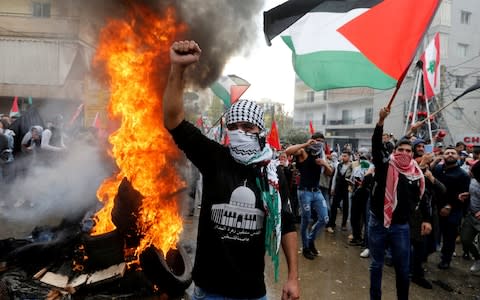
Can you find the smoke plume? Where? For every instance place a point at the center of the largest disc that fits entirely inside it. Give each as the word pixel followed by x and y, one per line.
pixel 222 28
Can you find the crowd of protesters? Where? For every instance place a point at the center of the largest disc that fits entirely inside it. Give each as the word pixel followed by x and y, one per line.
pixel 441 184
pixel 438 201
pixel 27 143
pixel 324 179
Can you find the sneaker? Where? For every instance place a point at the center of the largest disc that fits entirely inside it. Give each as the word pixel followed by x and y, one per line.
pixel 330 230
pixel 311 247
pixel 421 281
pixel 475 267
pixel 443 265
pixel 308 254
pixel 365 253
pixel 466 256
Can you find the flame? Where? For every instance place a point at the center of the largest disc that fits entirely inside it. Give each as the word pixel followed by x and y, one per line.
pixel 142 148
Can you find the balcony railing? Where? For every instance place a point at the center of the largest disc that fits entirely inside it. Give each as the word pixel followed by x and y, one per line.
pixel 341 122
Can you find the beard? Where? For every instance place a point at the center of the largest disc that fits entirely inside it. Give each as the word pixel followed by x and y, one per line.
pixel 450 161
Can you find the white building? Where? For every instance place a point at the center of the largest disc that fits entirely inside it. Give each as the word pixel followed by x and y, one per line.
pixel 343 115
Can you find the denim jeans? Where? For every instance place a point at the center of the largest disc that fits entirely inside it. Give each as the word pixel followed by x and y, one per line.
pixel 200 294
pixel 308 201
pixel 398 237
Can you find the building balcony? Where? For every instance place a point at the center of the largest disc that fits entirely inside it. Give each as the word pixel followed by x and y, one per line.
pixel 349 124
pixel 26 26
pixel 299 104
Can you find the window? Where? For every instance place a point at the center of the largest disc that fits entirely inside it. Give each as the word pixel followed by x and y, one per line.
pixel 324 118
pixel 368 115
pixel 458 113
pixel 462 49
pixel 465 17
pixel 41 9
pixel 346 116
pixel 310 96
pixel 459 82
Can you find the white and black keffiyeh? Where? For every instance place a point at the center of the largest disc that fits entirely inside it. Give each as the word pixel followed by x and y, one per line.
pixel 246 111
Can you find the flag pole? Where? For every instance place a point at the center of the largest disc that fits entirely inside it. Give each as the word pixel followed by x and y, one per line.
pixel 216 122
pixel 470 89
pixel 399 83
pixel 411 101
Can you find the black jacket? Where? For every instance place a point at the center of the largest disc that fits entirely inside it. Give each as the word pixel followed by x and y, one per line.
pixel 408 194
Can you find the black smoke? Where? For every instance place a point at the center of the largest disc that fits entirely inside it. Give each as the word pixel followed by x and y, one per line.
pixel 222 28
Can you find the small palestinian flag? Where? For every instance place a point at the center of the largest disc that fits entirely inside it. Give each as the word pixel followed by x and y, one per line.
pixel 230 88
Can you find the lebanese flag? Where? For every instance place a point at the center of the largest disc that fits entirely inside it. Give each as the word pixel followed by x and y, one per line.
pixel 229 88
pixel 339 44
pixel 312 130
pixel 273 139
pixel 14 112
pixel 431 67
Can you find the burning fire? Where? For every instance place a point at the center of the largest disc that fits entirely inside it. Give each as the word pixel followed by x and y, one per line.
pixel 142 148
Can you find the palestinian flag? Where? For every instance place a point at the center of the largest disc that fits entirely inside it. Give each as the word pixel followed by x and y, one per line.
pixel 14 112
pixel 351 43
pixel 230 88
pixel 431 67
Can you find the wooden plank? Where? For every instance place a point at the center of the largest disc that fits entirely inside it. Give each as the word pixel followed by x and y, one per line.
pixel 56 280
pixel 78 281
pixel 115 271
pixel 40 273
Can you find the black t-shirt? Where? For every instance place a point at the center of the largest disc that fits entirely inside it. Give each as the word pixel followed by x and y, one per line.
pixel 310 173
pixel 231 232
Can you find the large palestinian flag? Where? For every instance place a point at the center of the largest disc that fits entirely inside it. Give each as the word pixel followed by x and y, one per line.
pixel 351 43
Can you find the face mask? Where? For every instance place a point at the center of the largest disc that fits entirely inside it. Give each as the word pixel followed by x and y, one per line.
pixel 403 159
pixel 316 148
pixel 243 145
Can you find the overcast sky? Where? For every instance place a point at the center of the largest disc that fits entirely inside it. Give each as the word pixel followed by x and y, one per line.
pixel 268 69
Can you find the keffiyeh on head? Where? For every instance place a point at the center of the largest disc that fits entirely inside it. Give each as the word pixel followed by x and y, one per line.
pixel 246 111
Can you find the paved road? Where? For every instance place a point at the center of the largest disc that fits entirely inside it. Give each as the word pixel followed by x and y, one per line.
pixel 340 273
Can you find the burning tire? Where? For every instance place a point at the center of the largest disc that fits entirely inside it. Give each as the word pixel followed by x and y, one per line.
pixel 172 274
pixel 104 250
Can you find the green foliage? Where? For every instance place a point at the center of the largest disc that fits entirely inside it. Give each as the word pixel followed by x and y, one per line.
pixel 295 136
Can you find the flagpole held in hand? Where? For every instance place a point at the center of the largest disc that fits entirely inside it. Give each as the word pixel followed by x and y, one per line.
pixel 470 89
pixel 399 83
